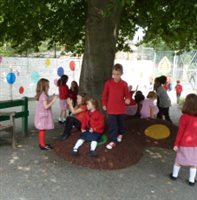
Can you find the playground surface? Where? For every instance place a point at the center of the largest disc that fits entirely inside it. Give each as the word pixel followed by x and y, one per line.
pixel 29 174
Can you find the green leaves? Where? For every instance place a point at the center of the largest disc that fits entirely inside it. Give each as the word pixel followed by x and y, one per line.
pixel 25 23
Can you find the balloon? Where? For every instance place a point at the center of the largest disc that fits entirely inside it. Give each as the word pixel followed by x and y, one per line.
pixel 21 90
pixel 35 76
pixel 55 82
pixel 1 58
pixel 11 78
pixel 72 65
pixel 47 62
pixel 60 71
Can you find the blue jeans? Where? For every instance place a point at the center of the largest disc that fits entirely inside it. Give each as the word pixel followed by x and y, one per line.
pixel 115 126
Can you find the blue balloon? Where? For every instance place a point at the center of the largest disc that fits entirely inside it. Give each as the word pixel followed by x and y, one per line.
pixel 11 78
pixel 35 76
pixel 60 71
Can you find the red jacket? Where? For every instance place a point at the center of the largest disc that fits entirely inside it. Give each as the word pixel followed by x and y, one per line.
pixel 114 95
pixel 94 120
pixel 63 92
pixel 73 96
pixel 178 88
pixel 187 133
pixel 81 115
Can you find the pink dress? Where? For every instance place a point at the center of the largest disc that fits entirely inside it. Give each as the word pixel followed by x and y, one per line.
pixel 43 117
pixel 147 107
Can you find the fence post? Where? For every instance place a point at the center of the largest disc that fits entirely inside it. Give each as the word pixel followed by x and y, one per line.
pixel 25 118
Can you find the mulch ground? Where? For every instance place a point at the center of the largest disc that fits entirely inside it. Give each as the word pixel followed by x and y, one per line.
pixel 125 154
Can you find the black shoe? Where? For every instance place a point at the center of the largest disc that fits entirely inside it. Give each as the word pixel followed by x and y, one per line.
pixel 60 122
pixel 75 152
pixel 93 154
pixel 49 146
pixel 64 137
pixel 44 148
pixel 191 183
pixel 172 177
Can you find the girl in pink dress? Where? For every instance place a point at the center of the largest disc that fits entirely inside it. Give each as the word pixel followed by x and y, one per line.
pixel 149 109
pixel 186 140
pixel 43 115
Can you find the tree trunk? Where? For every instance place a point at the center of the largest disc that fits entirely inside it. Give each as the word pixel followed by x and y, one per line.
pixel 100 46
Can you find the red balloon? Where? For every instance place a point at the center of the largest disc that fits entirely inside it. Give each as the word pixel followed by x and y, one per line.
pixel 72 65
pixel 21 90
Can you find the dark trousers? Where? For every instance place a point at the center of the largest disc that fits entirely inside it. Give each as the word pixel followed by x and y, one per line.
pixel 70 122
pixel 115 126
pixel 165 112
pixel 178 98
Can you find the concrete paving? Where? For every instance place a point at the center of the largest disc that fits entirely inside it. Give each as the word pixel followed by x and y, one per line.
pixel 29 174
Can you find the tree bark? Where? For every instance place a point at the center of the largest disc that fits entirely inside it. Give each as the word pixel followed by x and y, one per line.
pixel 100 46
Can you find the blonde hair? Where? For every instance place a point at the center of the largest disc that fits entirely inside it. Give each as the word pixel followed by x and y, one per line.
pixel 190 105
pixel 42 86
pixel 152 95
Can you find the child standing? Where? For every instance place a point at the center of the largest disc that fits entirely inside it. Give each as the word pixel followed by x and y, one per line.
pixel 63 95
pixel 186 140
pixel 92 128
pixel 73 91
pixel 114 97
pixel 78 113
pixel 163 100
pixel 178 89
pixel 43 115
pixel 149 109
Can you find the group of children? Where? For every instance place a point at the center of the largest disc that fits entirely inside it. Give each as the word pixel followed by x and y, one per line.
pixel 64 94
pixel 87 118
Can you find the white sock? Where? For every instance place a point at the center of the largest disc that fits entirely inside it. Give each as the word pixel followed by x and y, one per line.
pixel 175 172
pixel 78 143
pixel 192 174
pixel 64 119
pixel 93 145
pixel 60 119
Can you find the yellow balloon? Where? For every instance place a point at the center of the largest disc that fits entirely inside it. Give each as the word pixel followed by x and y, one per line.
pixel 47 62
pixel 157 131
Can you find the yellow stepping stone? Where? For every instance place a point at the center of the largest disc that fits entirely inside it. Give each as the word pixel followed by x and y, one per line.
pixel 157 131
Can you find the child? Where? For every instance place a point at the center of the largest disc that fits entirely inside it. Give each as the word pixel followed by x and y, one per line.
pixel 131 109
pixel 63 95
pixel 149 110
pixel 131 95
pixel 178 89
pixel 186 140
pixel 78 114
pixel 43 115
pixel 92 127
pixel 139 97
pixel 73 91
pixel 115 96
pixel 163 100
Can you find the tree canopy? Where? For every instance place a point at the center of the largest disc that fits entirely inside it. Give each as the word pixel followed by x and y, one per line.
pixel 26 23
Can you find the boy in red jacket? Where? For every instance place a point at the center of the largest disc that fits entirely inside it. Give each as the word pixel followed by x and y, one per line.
pixel 115 96
pixel 92 127
pixel 179 90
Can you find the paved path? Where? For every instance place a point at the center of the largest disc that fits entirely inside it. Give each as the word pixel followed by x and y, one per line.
pixel 29 174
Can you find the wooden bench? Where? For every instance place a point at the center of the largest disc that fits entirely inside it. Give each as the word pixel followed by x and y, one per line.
pixel 23 114
pixel 11 125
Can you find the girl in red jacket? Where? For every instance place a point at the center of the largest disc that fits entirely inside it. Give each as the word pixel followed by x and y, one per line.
pixel 73 92
pixel 92 127
pixel 63 95
pixel 186 140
